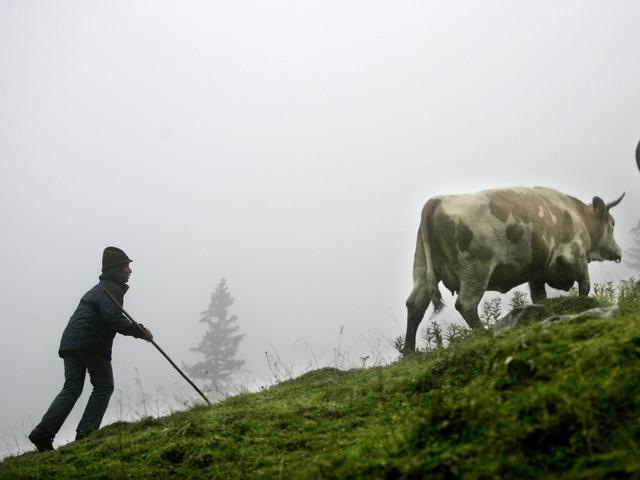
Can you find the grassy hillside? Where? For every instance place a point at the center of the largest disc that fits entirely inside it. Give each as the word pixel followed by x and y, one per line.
pixel 561 402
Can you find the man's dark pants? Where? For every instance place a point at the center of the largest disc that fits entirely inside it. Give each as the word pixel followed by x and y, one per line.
pixel 76 364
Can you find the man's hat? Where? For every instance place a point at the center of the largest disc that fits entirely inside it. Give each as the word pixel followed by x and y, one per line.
pixel 112 257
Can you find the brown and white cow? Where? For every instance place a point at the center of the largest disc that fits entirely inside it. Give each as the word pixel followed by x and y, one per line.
pixel 499 239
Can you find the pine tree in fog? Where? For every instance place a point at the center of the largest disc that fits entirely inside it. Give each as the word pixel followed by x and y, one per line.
pixel 220 342
pixel 634 252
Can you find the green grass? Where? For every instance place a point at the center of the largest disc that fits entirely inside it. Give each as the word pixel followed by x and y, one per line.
pixel 561 402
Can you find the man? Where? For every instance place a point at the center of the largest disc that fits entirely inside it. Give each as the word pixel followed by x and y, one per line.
pixel 86 346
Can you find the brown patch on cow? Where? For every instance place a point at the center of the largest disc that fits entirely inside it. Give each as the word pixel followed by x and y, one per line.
pixel 565 225
pixel 464 235
pixel 419 258
pixel 430 206
pixel 498 208
pixel 503 203
pixel 444 239
pixel 446 228
pixel 526 207
pixel 440 230
pixel 514 233
pixel 431 210
pixel 522 206
pixel 539 249
pixel 482 252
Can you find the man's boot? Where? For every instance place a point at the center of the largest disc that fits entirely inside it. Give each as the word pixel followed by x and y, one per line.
pixel 42 441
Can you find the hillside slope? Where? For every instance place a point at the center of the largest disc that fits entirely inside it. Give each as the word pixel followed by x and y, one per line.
pixel 560 402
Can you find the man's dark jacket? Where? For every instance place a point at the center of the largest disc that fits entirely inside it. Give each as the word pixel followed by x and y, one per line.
pixel 97 320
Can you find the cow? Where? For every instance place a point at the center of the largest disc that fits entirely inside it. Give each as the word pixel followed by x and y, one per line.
pixel 501 238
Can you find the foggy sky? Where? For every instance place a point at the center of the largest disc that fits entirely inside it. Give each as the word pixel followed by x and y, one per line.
pixel 287 146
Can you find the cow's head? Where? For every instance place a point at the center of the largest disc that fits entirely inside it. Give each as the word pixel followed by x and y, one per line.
pixel 604 246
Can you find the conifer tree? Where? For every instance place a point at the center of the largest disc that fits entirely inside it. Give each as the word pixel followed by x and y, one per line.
pixel 633 254
pixel 220 342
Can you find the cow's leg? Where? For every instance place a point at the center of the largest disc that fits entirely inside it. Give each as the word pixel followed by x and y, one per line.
pixel 584 283
pixel 417 304
pixel 469 296
pixel 537 290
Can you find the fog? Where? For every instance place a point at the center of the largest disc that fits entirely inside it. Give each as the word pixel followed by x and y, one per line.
pixel 288 147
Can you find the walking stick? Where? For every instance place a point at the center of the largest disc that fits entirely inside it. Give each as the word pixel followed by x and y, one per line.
pixel 130 318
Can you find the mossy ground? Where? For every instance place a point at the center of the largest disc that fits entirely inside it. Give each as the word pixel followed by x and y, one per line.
pixel 560 402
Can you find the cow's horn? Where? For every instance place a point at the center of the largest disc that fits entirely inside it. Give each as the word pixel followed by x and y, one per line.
pixel 615 202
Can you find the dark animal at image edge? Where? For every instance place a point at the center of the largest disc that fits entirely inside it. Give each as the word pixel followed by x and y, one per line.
pixel 499 239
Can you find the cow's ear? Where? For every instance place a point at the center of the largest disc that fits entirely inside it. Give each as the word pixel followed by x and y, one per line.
pixel 599 208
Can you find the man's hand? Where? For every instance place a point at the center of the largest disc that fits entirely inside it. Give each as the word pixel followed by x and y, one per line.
pixel 148 336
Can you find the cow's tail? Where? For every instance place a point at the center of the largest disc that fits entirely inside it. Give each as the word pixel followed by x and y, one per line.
pixel 431 278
